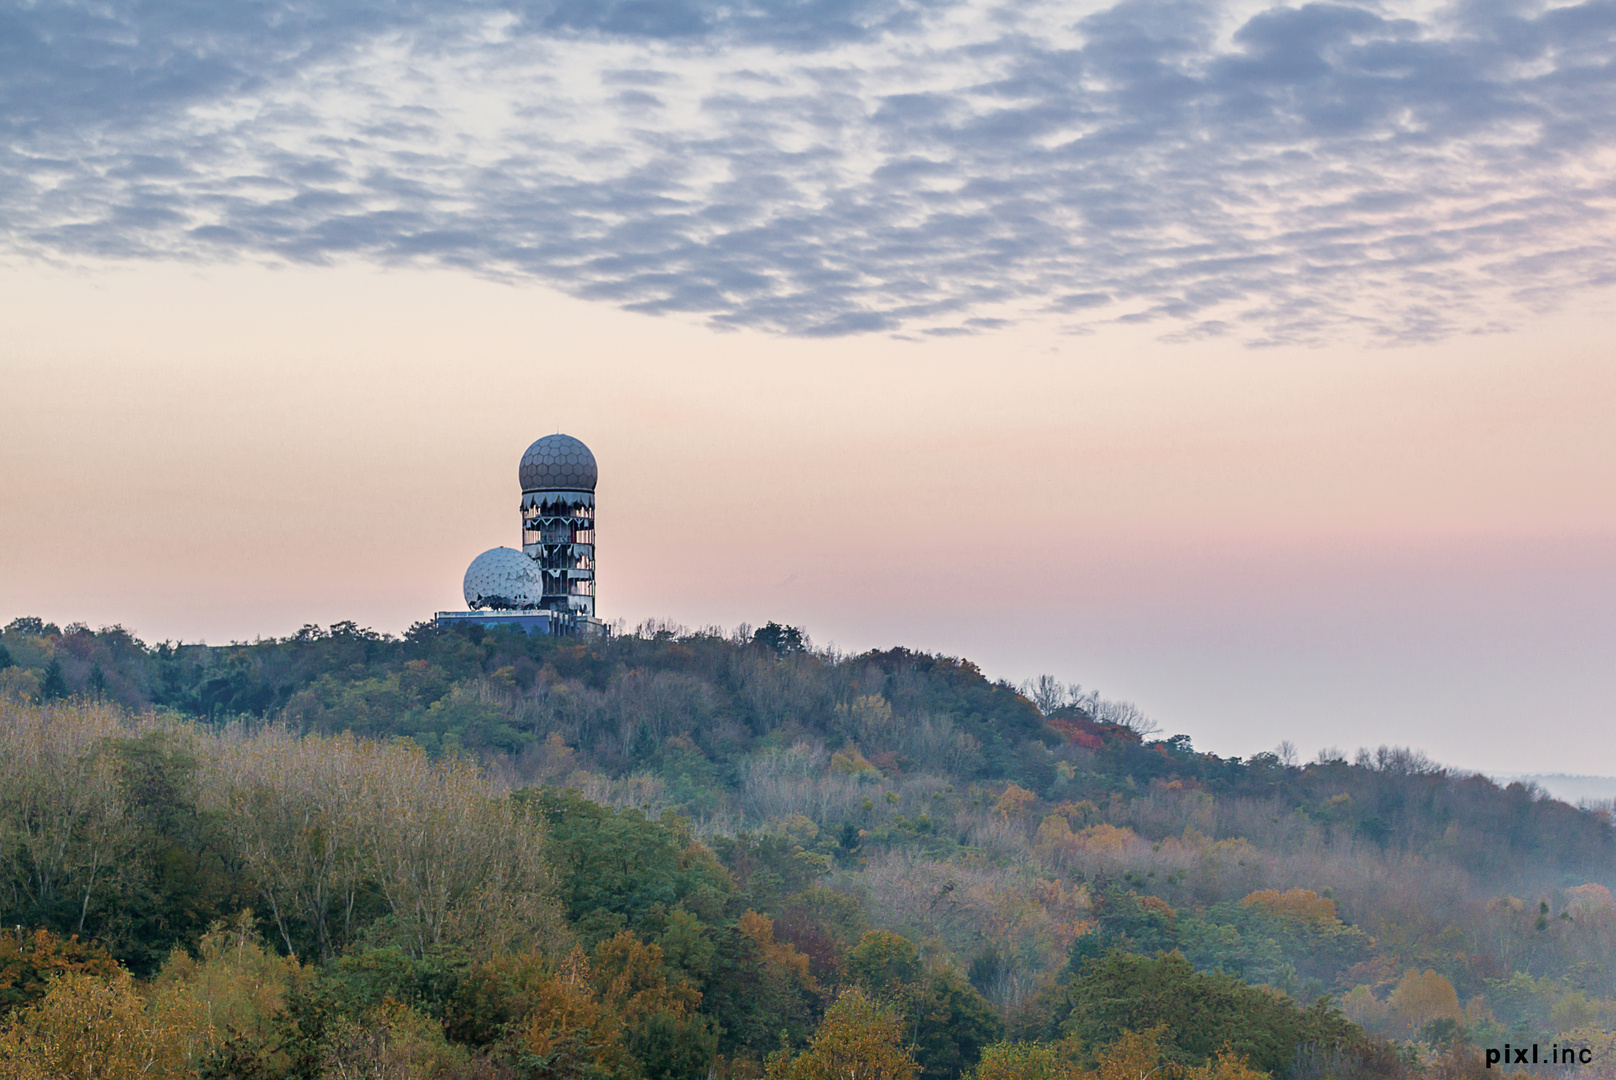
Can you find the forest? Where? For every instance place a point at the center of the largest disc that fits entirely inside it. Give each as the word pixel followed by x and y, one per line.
pixel 670 853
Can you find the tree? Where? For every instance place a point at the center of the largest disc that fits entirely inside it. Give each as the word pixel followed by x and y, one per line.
pixel 946 1020
pixel 663 1031
pixel 54 688
pixel 1212 1012
pixel 568 1033
pixel 883 963
pixel 761 990
pixel 29 962
pixel 89 1027
pixel 617 868
pixel 1421 997
pixel 859 1039
pixel 240 985
pixel 783 640
pixel 63 830
pixel 1031 1061
pixel 96 685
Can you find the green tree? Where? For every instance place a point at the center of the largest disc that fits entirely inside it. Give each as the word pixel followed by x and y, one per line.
pixel 784 640
pixel 947 1021
pixel 761 991
pixel 618 869
pixel 1209 1012
pixel 54 688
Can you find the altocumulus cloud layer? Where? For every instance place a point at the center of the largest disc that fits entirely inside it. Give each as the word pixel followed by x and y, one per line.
pixel 835 166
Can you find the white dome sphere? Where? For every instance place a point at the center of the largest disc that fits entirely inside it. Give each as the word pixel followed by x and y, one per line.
pixel 503 579
pixel 558 462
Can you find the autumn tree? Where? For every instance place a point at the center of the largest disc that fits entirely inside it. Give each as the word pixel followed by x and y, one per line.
pixel 859 1039
pixel 1031 1061
pixel 30 961
pixel 63 828
pixel 87 1027
pixel 1421 997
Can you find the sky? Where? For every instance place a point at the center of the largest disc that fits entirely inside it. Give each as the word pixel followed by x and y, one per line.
pixel 1249 362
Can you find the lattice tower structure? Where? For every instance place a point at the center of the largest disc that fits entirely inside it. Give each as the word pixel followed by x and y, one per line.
pixel 558 476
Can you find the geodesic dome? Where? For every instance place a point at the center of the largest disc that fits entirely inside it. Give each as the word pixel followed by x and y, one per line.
pixel 558 462
pixel 503 579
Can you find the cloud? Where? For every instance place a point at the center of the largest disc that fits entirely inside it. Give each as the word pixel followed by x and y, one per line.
pixel 1289 174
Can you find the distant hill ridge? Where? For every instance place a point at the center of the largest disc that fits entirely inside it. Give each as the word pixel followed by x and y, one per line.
pixel 1569 787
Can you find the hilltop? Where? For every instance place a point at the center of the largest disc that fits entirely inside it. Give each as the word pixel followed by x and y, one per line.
pixel 1017 839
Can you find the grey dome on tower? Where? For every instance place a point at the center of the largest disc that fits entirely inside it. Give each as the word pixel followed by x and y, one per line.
pixel 558 463
pixel 558 521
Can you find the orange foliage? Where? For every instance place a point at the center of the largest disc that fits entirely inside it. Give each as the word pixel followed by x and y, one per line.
pixel 1015 802
pixel 1159 906
pixel 629 976
pixel 1590 897
pixel 760 928
pixel 569 1028
pixel 1090 734
pixel 29 961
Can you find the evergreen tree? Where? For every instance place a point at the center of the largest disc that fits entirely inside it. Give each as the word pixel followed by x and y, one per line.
pixel 54 686
pixel 96 685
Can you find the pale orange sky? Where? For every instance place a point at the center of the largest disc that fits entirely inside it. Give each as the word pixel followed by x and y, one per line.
pixel 1337 546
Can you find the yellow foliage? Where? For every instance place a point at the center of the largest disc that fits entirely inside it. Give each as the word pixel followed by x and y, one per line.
pixel 1106 839
pixel 1359 1006
pixel 1572 1011
pixel 629 976
pixel 849 761
pixel 1135 1056
pixel 858 1040
pixel 86 1028
pixel 1421 997
pixel 391 1042
pixel 1054 831
pixel 797 828
pixel 1079 813
pixel 870 717
pixel 1301 905
pixel 238 984
pixel 1014 803
pixel 1602 1042
pixel 1228 1066
pixel 1031 1061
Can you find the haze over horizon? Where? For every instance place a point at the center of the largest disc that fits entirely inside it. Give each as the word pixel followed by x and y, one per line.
pixel 1248 362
